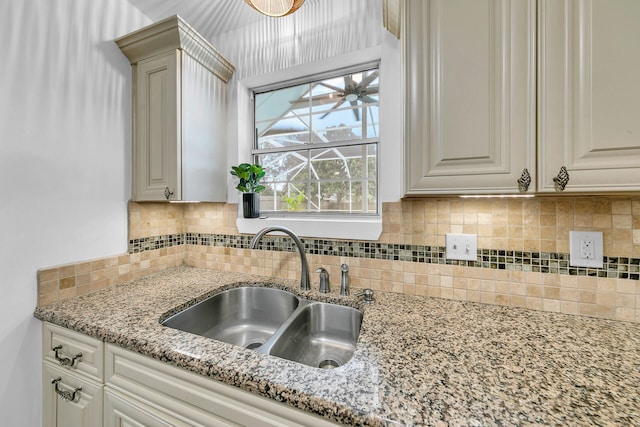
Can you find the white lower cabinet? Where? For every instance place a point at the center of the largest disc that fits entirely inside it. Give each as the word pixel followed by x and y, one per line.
pixel 73 374
pixel 69 399
pixel 118 387
pixel 144 390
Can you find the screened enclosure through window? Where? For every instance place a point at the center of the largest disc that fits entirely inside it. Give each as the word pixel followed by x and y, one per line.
pixel 318 143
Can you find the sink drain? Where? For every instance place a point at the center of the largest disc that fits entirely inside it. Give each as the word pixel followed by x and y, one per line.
pixel 254 345
pixel 328 364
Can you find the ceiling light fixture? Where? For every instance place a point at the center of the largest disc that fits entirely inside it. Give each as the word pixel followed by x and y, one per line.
pixel 275 8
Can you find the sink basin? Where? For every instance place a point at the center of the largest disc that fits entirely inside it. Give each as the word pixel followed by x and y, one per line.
pixel 275 322
pixel 320 335
pixel 245 317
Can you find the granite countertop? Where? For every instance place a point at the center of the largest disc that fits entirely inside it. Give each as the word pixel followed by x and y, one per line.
pixel 419 361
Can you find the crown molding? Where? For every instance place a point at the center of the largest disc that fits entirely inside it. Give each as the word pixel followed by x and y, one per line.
pixel 170 34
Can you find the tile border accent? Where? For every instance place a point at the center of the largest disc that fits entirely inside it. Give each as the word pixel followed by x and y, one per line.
pixel 155 242
pixel 542 262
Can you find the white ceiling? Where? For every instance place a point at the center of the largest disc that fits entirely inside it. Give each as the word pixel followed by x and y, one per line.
pixel 209 17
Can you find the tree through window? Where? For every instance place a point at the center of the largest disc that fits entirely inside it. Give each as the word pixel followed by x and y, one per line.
pixel 317 142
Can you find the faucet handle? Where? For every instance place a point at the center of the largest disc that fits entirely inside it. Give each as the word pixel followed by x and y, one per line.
pixel 324 280
pixel 344 283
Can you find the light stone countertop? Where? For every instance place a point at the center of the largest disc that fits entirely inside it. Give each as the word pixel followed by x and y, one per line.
pixel 419 361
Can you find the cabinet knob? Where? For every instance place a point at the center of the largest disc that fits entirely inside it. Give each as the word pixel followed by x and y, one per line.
pixel 562 179
pixel 524 181
pixel 69 396
pixel 167 193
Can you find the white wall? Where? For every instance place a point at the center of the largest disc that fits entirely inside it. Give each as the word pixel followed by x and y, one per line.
pixel 64 164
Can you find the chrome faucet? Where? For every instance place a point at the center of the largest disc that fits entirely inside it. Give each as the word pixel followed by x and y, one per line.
pixel 304 280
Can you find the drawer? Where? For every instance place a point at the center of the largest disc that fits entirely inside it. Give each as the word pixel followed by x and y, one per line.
pixel 77 352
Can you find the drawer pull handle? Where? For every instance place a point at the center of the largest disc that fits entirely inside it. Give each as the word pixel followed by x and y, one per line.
pixel 65 361
pixel 69 396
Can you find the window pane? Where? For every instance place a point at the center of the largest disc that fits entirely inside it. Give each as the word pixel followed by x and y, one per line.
pixel 291 166
pixel 343 196
pixel 276 104
pixel 342 162
pixel 283 197
pixel 285 132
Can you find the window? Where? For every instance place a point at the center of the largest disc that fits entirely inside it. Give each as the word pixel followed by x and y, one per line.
pixel 318 143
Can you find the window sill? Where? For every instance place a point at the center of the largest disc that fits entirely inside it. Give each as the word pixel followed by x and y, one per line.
pixel 361 228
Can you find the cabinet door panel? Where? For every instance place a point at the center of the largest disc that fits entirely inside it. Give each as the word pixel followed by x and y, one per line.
pixel 157 127
pixel 590 94
pixel 84 410
pixel 470 95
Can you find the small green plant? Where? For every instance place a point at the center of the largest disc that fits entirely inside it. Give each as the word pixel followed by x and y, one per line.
pixel 250 176
pixel 294 203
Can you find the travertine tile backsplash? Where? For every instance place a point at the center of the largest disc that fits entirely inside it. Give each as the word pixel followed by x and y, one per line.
pixel 523 242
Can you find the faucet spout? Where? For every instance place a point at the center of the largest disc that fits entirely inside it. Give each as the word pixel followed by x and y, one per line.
pixel 304 279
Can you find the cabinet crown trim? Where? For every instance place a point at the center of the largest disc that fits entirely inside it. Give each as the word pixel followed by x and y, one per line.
pixel 174 33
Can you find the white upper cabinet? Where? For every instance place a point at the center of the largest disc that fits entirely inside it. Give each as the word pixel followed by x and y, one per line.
pixel 470 87
pixel 179 113
pixel 589 94
pixel 474 119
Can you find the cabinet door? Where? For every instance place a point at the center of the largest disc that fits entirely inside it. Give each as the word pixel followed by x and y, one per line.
pixel 470 88
pixel 85 409
pixel 156 157
pixel 589 108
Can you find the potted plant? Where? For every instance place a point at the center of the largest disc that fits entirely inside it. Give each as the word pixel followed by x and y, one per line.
pixel 250 176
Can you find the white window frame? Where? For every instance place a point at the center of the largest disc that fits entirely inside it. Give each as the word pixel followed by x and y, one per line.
pixel 344 227
pixel 364 142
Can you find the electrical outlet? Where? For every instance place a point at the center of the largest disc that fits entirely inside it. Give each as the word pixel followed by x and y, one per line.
pixel 462 246
pixel 585 249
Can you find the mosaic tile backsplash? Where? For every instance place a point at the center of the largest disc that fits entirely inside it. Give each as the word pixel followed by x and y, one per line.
pixel 541 262
pixel 523 258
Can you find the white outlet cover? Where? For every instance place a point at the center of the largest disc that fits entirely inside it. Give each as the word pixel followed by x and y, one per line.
pixel 461 246
pixel 583 243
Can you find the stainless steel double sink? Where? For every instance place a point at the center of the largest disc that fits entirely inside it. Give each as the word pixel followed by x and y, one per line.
pixel 275 322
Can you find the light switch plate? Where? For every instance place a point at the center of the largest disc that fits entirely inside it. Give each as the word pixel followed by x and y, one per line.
pixel 585 249
pixel 462 246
